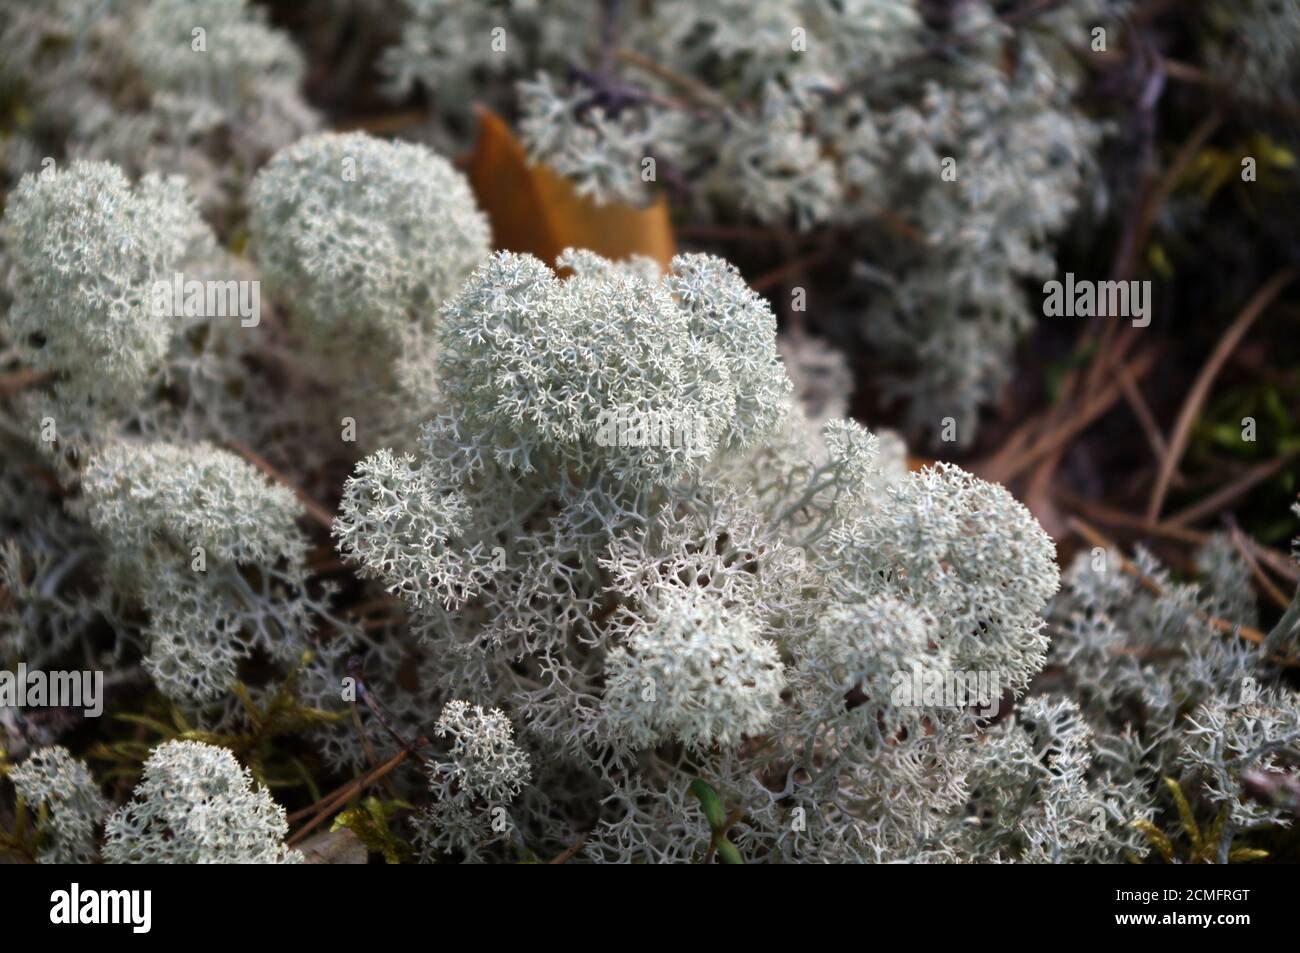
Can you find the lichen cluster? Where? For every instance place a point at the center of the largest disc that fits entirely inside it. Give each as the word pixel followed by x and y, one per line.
pixel 577 558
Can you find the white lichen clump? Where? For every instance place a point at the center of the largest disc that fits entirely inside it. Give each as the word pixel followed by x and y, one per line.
pixel 61 786
pixel 182 526
pixel 484 761
pixel 595 368
pixel 483 770
pixel 1255 47
pixel 737 606
pixel 196 804
pixel 695 672
pixel 203 88
pixel 86 248
pixel 598 555
pixel 941 143
pixel 363 238
pixel 1170 696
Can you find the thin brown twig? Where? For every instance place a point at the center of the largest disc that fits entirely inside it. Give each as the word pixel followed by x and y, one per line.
pixel 1040 425
pixel 1136 238
pixel 1146 582
pixel 1187 73
pixel 1200 390
pixel 383 124
pixel 1081 386
pixel 697 91
pixel 372 756
pixel 1017 439
pixel 332 802
pixel 1228 492
pixel 18 381
pixel 1000 470
pixel 1119 519
pixel 1265 584
pixel 335 796
pixel 777 275
pixel 1137 403
pixel 317 512
pixel 899 225
pixel 1156 189
pixel 355 670
pixel 571 850
pixel 1281 565
pixel 738 233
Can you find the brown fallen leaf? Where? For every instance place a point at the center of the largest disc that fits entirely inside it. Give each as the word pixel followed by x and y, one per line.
pixel 534 209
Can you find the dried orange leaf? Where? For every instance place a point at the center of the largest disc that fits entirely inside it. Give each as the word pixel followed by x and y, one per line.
pixel 533 209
